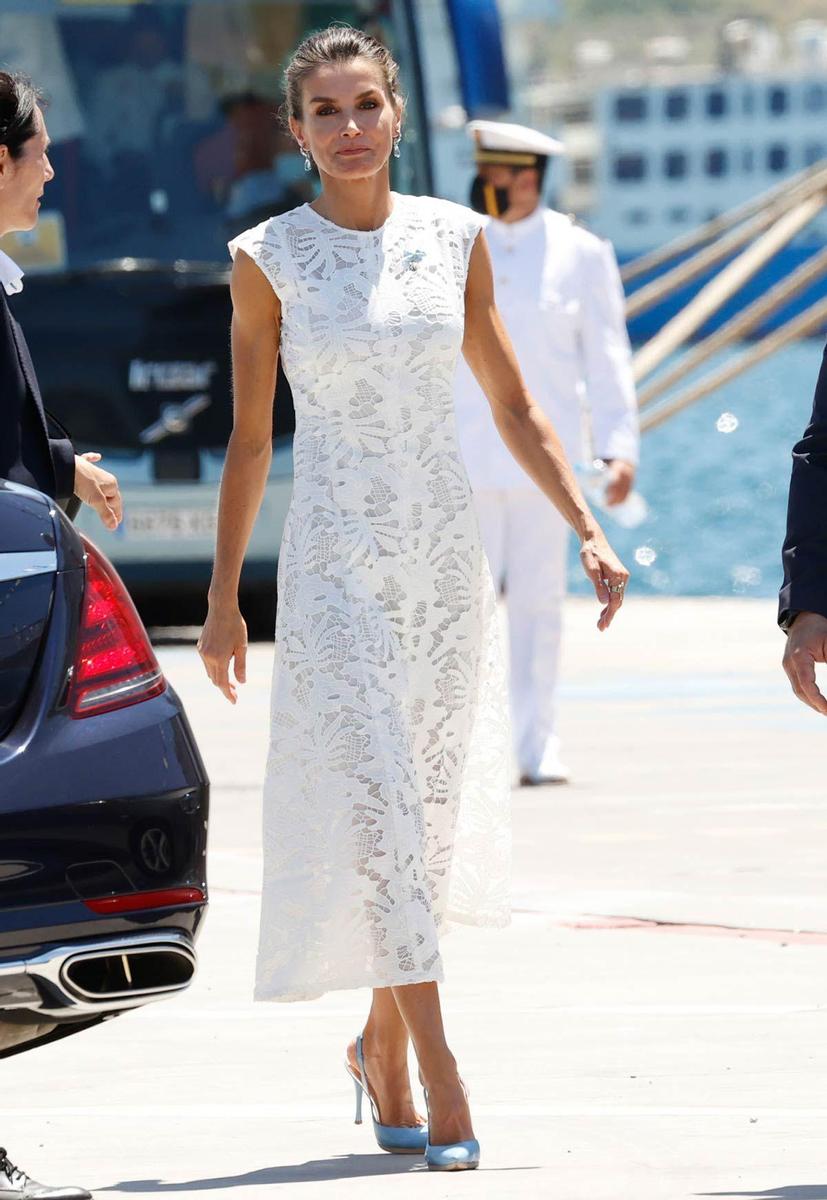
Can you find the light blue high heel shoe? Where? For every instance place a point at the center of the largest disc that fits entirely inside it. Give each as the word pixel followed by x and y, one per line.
pixel 396 1139
pixel 456 1156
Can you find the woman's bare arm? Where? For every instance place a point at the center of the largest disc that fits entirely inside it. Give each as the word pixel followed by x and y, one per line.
pixel 527 431
pixel 256 330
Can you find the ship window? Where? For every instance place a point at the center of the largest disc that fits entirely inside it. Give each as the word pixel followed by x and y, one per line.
pixel 637 216
pixel 630 106
pixel 778 100
pixel 574 112
pixel 748 159
pixel 716 103
pixel 674 164
pixel 676 105
pixel 778 156
pixel 630 166
pixel 813 153
pixel 716 162
pixel 582 170
pixel 678 216
pixel 815 97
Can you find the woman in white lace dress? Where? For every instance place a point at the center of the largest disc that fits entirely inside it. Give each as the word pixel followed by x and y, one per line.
pixel 386 795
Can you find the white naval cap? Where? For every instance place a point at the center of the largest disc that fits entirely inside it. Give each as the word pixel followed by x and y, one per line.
pixel 501 142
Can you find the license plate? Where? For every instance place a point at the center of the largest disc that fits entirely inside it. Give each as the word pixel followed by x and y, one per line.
pixel 169 523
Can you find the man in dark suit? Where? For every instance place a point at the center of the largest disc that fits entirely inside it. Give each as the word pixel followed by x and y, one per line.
pixel 803 603
pixel 29 452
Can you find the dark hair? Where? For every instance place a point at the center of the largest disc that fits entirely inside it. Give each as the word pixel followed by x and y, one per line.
pixel 19 99
pixel 336 44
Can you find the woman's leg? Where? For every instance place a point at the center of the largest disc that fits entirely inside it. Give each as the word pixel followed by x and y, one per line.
pixel 450 1117
pixel 385 1047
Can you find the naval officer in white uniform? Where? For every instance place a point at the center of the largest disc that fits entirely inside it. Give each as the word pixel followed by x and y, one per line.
pixel 559 292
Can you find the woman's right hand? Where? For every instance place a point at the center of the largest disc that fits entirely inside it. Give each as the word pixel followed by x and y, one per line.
pixel 224 637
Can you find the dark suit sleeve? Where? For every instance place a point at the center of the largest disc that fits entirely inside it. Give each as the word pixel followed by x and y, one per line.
pixel 805 546
pixel 63 461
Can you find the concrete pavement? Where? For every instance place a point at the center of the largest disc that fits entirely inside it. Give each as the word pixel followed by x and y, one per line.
pixel 651 1027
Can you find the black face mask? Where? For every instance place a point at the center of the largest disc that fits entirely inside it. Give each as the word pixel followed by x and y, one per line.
pixel 489 200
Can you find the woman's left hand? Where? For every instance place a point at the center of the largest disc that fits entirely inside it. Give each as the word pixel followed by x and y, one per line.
pixel 607 573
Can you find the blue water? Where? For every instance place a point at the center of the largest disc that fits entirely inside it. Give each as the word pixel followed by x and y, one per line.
pixel 718 500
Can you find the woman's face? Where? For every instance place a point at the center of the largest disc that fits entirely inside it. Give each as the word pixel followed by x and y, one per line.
pixel 23 179
pixel 348 122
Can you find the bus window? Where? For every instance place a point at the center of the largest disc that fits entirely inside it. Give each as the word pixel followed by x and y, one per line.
pixel 163 118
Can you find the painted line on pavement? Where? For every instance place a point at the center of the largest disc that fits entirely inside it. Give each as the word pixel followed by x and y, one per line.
pixel 787 937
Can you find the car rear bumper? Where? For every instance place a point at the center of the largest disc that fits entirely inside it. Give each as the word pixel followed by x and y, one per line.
pixel 96 976
pixel 95 807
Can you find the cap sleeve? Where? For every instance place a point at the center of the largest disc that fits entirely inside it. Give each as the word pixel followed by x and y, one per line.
pixel 459 226
pixel 470 227
pixel 265 246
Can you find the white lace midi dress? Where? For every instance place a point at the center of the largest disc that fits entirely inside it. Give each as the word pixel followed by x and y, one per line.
pixel 387 784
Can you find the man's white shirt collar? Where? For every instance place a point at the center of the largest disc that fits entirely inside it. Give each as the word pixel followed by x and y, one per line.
pixel 11 276
pixel 515 231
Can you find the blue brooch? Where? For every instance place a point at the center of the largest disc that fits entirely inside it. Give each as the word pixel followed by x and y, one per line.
pixel 412 259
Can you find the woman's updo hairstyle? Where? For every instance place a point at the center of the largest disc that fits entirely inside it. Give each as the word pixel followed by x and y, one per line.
pixel 18 105
pixel 336 44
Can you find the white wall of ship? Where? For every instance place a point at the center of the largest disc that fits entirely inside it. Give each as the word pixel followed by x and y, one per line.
pixel 680 172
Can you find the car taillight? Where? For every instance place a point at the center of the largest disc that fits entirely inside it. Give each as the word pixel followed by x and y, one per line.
pixel 115 664
pixel 140 901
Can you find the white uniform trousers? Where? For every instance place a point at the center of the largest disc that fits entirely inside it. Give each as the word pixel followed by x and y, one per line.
pixel 526 541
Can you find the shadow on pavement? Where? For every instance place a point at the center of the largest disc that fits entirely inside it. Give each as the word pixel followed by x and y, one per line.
pixel 345 1167
pixel 800 1191
pixel 349 1166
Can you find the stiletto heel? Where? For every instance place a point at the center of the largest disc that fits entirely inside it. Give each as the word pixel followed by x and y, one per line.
pixel 396 1139
pixel 456 1156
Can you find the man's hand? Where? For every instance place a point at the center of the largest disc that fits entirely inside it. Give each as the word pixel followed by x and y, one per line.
pixel 806 645
pixel 619 481
pixel 99 489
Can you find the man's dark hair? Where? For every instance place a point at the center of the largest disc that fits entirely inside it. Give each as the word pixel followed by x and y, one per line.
pixel 18 107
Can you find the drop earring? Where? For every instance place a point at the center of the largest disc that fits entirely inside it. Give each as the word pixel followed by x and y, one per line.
pixel 396 142
pixel 305 153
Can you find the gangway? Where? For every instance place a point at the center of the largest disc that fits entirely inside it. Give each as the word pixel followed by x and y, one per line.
pixel 758 229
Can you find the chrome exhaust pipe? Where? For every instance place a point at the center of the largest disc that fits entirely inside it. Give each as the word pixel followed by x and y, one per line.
pixel 105 976
pixel 124 972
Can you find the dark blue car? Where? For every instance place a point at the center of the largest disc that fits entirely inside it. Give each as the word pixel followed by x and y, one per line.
pixel 103 794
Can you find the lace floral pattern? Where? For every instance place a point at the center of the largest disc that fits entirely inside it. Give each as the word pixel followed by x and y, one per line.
pixel 387 785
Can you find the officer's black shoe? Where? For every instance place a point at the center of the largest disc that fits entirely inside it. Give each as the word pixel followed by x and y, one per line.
pixel 16 1185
